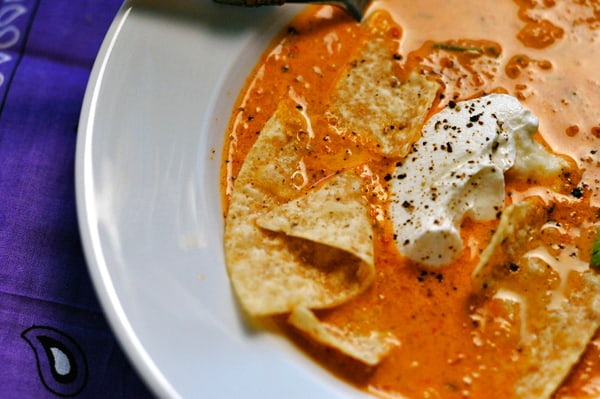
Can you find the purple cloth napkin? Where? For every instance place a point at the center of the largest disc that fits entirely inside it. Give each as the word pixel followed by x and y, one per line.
pixel 54 339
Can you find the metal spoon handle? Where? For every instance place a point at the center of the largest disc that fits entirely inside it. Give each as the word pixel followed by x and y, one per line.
pixel 251 3
pixel 355 7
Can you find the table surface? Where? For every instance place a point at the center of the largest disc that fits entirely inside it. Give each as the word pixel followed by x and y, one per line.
pixel 54 338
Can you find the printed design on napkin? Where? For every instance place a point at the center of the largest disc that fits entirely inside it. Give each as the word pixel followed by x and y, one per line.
pixel 16 18
pixel 61 363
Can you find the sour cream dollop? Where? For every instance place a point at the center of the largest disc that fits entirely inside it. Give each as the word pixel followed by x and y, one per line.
pixel 456 170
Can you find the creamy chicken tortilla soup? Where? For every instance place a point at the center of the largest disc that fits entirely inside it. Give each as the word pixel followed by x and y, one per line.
pixel 415 199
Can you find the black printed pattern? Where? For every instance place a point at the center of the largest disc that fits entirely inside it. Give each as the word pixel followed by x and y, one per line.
pixel 16 18
pixel 61 363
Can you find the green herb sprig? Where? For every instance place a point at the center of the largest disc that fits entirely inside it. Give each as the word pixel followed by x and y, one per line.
pixel 595 261
pixel 456 48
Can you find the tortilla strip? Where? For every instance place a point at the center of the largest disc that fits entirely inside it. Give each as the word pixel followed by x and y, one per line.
pixel 273 273
pixel 368 349
pixel 551 334
pixel 332 215
pixel 517 225
pixel 562 338
pixel 370 100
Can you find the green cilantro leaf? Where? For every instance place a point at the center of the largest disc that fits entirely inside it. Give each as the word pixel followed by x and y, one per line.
pixel 595 262
pixel 456 48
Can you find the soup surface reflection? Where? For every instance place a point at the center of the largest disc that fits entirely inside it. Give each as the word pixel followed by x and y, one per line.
pixel 545 54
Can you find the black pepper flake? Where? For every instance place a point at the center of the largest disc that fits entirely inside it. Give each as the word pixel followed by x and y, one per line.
pixel 451 104
pixel 387 177
pixel 475 118
pixel 513 267
pixel 299 107
pixel 439 277
pixel 448 147
pixel 401 176
pixel 397 56
pixel 577 192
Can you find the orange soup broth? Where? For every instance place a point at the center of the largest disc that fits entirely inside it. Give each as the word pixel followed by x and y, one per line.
pixel 545 55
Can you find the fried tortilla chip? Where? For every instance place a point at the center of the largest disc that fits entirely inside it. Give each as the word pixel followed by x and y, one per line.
pixel 369 349
pixel 551 301
pixel 317 265
pixel 517 225
pixel 334 215
pixel 561 336
pixel 370 100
